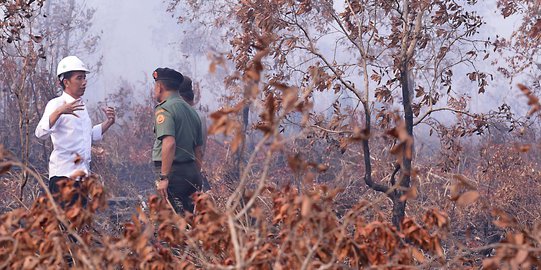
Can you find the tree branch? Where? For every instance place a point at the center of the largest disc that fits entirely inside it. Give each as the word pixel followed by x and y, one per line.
pixel 416 32
pixel 429 112
pixel 312 50
pixel 368 171
pixel 332 131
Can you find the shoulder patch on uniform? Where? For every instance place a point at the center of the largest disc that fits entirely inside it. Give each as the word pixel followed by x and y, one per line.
pixel 160 118
pixel 159 111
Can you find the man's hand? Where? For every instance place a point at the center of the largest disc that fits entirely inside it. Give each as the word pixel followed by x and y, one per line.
pixel 71 107
pixel 110 113
pixel 161 186
pixel 111 116
pixel 66 108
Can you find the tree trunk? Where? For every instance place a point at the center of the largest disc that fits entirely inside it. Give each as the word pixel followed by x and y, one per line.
pixel 240 152
pixel 399 206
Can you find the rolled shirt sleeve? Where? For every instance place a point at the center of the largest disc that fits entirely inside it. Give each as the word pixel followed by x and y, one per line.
pixel 97 133
pixel 43 130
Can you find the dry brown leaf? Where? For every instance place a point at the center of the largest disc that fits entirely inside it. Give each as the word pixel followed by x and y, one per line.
pixel 533 101
pixel 502 223
pixel 468 198
pixel 418 255
pixel 454 191
pixel 437 248
pixel 524 148
pixel 30 263
pixel 491 263
pixel 289 98
pixel 212 67
pixel 412 193
pixel 442 218
pixel 322 167
pixel 306 208
pixel 518 239
pixel 253 75
pixel 78 159
pixel 73 212
pixel 236 142
pixel 309 178
pixel 5 167
pixel 535 32
pixel 520 257
pixel 296 163
pixel 464 181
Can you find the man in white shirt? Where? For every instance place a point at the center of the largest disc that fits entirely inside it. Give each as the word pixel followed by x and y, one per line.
pixel 67 122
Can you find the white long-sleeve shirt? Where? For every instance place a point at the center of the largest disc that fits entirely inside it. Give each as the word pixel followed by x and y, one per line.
pixel 71 136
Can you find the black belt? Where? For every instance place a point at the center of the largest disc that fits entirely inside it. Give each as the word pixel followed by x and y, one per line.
pixel 175 162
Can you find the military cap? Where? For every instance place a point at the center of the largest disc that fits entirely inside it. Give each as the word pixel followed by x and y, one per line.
pixel 167 74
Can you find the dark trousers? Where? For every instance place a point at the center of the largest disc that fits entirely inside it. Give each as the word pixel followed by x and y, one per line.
pixel 184 180
pixel 54 188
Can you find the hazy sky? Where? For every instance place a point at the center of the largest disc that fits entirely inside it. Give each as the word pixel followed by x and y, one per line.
pixel 138 35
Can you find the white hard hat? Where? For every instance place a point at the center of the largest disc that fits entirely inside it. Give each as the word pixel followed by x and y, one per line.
pixel 70 63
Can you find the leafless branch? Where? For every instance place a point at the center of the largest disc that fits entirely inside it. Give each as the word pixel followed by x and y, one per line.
pixel 430 111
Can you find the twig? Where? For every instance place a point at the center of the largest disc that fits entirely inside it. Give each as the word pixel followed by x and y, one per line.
pixel 234 199
pixel 15 244
pixel 429 112
pixel 20 201
pixel 310 255
pixel 332 131
pixel 170 205
pixel 234 239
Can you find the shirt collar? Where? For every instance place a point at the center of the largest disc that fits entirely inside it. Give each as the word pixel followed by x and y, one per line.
pixel 174 95
pixel 67 97
pixel 170 97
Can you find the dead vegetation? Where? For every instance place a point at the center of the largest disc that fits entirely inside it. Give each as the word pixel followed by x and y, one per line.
pixel 294 189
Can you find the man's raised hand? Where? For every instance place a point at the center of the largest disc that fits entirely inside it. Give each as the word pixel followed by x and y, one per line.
pixel 110 113
pixel 71 107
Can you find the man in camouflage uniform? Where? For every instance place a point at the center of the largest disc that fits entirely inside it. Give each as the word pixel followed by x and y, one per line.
pixel 177 149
